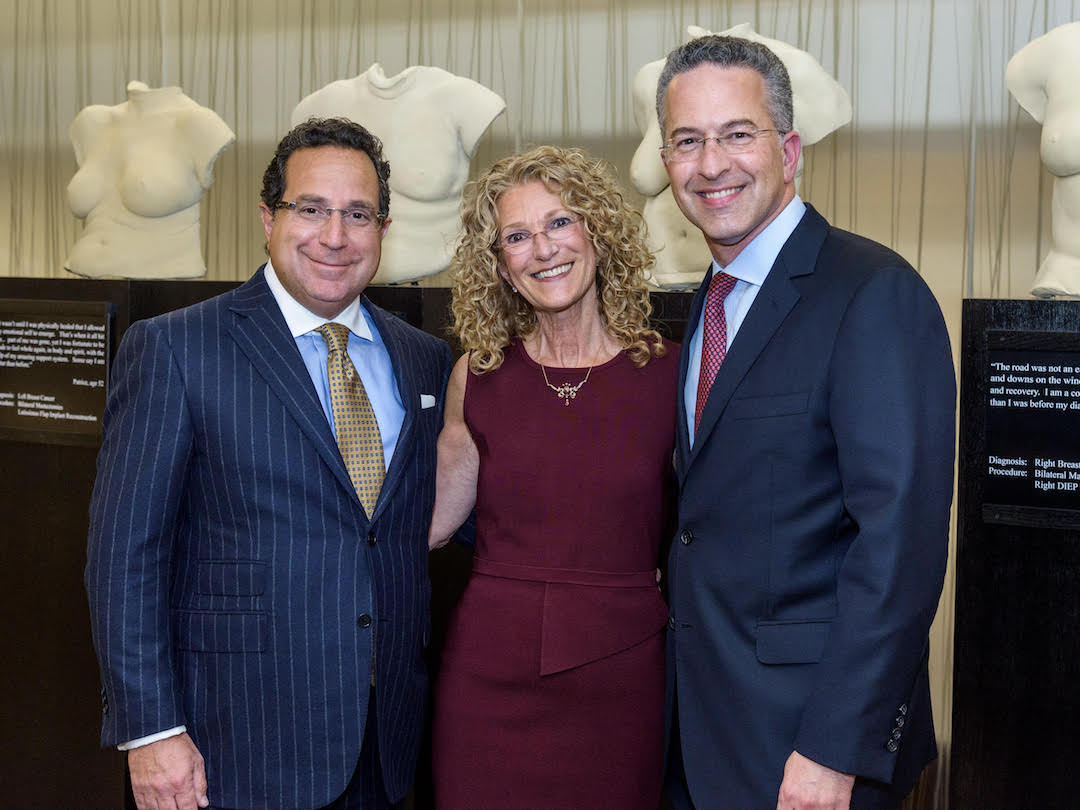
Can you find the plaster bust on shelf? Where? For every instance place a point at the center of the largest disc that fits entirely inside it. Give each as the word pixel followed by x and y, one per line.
pixel 430 122
pixel 821 105
pixel 1043 78
pixel 143 167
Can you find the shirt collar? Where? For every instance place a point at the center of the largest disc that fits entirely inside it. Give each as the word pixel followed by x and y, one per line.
pixel 301 320
pixel 755 260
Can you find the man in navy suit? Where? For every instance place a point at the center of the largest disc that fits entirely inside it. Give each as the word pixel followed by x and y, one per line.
pixel 260 629
pixel 814 457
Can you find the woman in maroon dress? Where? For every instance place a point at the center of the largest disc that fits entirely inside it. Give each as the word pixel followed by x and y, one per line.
pixel 559 431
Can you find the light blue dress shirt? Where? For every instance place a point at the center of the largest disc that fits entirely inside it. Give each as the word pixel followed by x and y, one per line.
pixel 750 267
pixel 366 350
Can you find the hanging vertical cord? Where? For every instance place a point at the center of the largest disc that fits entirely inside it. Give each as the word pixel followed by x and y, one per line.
pixel 614 70
pixel 241 39
pixel 1012 132
pixel 218 40
pixel 521 74
pixel 163 67
pixel 352 59
pixel 451 51
pixel 50 141
pixel 408 36
pixel 571 62
pixel 475 47
pixel 897 74
pixel 853 184
pixel 566 61
pixel 244 127
pixel 22 128
pixel 665 26
pixel 11 137
pixel 416 20
pixel 119 79
pixel 279 67
pixel 925 139
pixel 135 68
pixel 973 141
pixel 802 42
pixel 72 225
pixel 834 141
pixel 802 34
pixel 180 62
pixel 992 220
pixel 1039 209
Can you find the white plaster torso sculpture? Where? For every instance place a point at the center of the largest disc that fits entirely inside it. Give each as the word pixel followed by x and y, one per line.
pixel 430 122
pixel 1044 77
pixel 143 167
pixel 821 105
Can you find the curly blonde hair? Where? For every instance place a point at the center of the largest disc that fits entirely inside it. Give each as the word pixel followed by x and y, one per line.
pixel 488 314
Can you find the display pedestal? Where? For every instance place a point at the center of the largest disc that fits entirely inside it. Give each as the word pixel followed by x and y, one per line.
pixel 1016 707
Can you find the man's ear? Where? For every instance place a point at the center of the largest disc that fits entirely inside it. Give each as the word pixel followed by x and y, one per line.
pixel 267 219
pixel 792 148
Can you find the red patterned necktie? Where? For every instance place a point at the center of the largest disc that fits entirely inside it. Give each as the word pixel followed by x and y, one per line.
pixel 354 419
pixel 713 339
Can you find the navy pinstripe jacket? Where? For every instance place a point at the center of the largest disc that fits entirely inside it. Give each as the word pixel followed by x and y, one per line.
pixel 236 585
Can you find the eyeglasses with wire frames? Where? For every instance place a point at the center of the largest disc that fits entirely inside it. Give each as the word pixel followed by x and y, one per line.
pixel 316 214
pixel 560 227
pixel 690 147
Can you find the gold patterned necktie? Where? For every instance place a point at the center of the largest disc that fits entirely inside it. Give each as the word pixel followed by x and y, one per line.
pixel 357 430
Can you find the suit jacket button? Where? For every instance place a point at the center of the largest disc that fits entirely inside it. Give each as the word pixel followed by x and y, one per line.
pixel 900 721
pixel 671 623
pixel 364 620
pixel 903 709
pixel 371 538
pixel 892 746
pixel 896 734
pixel 686 537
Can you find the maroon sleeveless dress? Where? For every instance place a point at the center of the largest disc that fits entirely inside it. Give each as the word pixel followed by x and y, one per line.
pixel 551 690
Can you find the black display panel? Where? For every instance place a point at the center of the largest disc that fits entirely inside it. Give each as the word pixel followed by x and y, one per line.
pixel 1017 643
pixel 54 360
pixel 1032 425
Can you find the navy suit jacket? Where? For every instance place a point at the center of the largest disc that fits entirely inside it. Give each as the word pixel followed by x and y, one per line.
pixel 813 527
pixel 236 584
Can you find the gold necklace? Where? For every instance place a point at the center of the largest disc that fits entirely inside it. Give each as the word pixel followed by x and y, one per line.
pixel 566 391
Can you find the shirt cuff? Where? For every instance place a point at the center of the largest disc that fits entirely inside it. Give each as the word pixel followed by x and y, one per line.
pixel 150 738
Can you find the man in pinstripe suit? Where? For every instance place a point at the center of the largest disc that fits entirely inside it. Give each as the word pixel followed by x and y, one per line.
pixel 247 610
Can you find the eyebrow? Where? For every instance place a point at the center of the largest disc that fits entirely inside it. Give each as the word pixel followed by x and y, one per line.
pixel 546 219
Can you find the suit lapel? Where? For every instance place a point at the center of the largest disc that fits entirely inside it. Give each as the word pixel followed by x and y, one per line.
pixel 777 297
pixel 260 331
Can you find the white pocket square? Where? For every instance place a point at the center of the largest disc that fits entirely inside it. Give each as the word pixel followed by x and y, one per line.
pixel 427 401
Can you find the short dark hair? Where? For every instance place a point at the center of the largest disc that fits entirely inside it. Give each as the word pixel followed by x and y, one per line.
pixel 722 51
pixel 326 132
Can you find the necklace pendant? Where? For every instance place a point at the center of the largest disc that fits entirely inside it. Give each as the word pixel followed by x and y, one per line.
pixel 566 391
